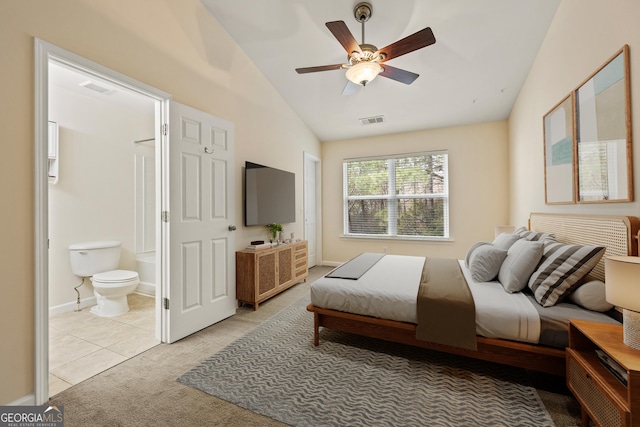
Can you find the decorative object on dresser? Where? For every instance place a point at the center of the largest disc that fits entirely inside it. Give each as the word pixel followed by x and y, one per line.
pixel 263 273
pixel 623 290
pixel 595 352
pixel 274 230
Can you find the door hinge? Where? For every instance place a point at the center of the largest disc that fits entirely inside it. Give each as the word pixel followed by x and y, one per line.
pixel 165 216
pixel 164 129
pixel 165 303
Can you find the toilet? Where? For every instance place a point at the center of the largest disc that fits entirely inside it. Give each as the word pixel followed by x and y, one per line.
pixel 99 260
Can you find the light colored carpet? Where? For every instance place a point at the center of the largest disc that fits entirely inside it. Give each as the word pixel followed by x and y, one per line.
pixel 143 390
pixel 352 381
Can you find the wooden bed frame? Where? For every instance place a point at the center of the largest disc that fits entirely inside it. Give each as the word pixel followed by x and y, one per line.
pixel 618 233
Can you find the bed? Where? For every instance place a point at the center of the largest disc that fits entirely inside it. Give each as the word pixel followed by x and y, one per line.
pixel 518 342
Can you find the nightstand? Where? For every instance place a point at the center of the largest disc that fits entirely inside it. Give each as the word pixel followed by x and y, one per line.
pixel 603 398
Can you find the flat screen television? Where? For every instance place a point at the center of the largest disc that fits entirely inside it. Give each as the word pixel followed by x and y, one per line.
pixel 269 195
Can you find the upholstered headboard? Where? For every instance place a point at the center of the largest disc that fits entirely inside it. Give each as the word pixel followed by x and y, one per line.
pixel 619 234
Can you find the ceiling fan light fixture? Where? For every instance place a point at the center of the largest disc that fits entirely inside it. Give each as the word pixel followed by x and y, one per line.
pixel 363 72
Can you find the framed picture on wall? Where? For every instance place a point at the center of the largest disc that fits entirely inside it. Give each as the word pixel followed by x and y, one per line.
pixel 559 153
pixel 603 133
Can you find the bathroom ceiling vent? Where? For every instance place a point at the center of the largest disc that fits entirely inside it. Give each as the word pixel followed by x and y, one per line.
pixel 372 120
pixel 97 87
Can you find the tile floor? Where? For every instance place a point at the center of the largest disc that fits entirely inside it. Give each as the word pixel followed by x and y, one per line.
pixel 82 344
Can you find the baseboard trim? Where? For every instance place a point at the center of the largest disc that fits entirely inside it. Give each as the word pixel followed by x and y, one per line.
pixel 148 289
pixel 72 306
pixel 28 400
pixel 332 263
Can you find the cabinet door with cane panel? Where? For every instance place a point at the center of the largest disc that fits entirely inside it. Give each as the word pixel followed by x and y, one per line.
pixel 264 273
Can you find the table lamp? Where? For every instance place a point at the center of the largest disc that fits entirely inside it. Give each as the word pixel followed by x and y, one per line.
pixel 622 289
pixel 504 229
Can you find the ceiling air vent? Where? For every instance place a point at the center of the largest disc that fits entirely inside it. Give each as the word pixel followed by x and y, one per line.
pixel 96 87
pixel 372 120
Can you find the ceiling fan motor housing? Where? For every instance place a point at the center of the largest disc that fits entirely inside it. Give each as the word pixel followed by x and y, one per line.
pixel 369 53
pixel 362 12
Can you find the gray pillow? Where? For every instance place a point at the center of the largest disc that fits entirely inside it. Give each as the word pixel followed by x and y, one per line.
pixel 485 262
pixel 505 240
pixel 591 296
pixel 521 261
pixel 470 251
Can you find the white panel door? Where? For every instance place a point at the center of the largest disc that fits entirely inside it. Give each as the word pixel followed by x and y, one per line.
pixel 310 208
pixel 201 288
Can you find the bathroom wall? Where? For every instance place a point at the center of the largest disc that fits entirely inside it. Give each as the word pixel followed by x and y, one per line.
pixel 94 198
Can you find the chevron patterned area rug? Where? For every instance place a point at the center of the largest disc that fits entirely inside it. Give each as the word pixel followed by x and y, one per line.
pixel 353 381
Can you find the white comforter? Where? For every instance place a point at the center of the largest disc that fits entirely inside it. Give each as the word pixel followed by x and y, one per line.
pixel 389 291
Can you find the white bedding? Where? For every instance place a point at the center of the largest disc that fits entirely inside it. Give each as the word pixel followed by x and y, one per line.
pixel 500 314
pixel 389 291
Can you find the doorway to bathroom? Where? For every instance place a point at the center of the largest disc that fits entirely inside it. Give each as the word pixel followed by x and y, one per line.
pixel 101 188
pixel 194 206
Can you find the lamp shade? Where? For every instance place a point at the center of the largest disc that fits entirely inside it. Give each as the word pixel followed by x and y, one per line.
pixel 622 281
pixel 363 72
pixel 504 229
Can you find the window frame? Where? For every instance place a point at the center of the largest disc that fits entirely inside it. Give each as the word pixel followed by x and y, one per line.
pixel 392 217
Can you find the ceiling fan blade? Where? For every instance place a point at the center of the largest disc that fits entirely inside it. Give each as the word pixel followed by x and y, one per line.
pixel 341 32
pixel 397 74
pixel 320 68
pixel 415 41
pixel 350 88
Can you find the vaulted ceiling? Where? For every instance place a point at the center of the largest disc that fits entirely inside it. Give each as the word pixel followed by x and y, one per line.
pixel 473 73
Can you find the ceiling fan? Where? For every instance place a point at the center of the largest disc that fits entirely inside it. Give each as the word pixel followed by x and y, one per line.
pixel 365 61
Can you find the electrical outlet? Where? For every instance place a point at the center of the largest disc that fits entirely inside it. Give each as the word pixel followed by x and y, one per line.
pixel 384 249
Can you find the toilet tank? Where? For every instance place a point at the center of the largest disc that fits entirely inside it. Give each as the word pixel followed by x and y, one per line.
pixel 91 258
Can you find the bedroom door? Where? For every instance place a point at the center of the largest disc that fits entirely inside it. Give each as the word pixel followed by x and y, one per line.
pixel 198 229
pixel 311 165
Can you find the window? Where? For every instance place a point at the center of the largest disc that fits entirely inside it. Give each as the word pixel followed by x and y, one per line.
pixel 399 196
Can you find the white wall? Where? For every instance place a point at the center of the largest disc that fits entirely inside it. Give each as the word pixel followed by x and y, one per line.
pixel 94 198
pixel 478 187
pixel 584 34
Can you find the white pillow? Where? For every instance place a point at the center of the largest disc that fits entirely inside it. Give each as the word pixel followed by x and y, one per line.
pixel 485 262
pixel 521 261
pixel 591 296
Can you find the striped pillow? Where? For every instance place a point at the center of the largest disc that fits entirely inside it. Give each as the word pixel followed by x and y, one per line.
pixel 560 269
pixel 534 235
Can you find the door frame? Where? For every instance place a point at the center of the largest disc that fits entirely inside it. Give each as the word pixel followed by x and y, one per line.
pixel 318 204
pixel 45 52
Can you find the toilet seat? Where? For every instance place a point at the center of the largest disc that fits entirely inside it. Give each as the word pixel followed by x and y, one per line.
pixel 111 289
pixel 115 277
